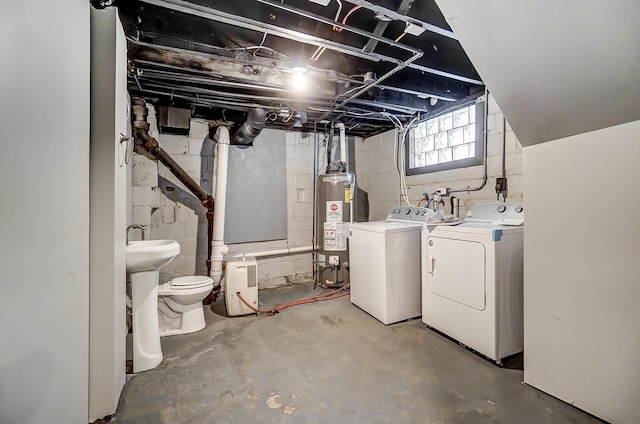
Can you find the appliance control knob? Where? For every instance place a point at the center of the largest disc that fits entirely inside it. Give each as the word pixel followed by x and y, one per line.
pixel 502 208
pixel 408 211
pixel 423 212
pixel 519 209
pixel 417 212
pixel 393 211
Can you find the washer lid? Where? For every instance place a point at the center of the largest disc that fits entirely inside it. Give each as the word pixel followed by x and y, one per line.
pixel 190 282
pixel 386 227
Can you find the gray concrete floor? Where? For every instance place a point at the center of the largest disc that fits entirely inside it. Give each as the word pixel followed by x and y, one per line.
pixel 328 362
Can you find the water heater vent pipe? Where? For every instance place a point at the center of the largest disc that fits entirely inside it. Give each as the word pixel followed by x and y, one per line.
pixel 343 144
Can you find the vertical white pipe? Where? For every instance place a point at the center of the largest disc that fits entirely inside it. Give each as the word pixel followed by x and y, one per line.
pixel 343 143
pixel 222 161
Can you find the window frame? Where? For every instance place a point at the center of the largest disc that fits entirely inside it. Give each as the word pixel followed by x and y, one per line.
pixel 479 157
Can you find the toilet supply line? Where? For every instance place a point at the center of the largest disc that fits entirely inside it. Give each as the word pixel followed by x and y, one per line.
pixel 335 294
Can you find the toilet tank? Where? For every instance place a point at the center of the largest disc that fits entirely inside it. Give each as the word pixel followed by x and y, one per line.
pixel 241 276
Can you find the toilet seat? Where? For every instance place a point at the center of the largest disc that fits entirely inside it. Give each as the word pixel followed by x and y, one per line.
pixel 189 282
pixel 180 309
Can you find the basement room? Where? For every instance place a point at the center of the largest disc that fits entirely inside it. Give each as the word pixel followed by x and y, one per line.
pixel 313 211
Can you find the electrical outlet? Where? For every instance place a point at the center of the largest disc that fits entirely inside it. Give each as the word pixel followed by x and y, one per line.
pixel 501 185
pixel 443 191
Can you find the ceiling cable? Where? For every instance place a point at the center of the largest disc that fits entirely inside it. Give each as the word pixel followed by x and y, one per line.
pixel 335 28
pixel 344 20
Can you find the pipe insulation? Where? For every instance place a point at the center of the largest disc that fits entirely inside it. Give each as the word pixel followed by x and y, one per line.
pixel 222 163
pixel 251 128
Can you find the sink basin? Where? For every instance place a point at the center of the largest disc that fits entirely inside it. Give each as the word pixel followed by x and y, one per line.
pixel 150 255
pixel 144 259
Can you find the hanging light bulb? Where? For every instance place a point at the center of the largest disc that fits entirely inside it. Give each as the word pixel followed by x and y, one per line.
pixel 299 80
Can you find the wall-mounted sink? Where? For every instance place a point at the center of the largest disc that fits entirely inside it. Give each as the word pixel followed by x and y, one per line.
pixel 150 255
pixel 144 259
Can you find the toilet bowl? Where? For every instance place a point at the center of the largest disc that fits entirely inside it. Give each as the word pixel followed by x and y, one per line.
pixel 180 308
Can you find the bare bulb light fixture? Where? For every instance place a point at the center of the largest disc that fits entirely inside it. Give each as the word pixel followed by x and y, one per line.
pixel 299 79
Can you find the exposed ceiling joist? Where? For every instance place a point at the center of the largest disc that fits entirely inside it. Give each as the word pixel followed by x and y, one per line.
pixel 242 54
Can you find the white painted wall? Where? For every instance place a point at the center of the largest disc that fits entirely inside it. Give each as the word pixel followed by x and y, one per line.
pixel 378 176
pixel 108 188
pixel 44 211
pixel 557 68
pixel 582 285
pixel 172 219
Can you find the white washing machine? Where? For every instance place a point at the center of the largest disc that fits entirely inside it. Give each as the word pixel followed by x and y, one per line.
pixel 384 258
pixel 472 277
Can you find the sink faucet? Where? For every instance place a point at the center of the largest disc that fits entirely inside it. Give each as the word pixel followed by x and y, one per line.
pixel 142 228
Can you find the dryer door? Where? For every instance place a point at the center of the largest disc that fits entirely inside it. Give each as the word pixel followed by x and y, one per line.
pixel 456 270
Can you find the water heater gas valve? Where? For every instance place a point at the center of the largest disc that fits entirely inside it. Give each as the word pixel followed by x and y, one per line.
pixel 334 260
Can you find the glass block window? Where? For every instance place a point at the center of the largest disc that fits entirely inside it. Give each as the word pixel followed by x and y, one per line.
pixel 452 139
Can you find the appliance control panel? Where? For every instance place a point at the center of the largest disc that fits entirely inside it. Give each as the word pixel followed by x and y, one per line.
pixel 410 214
pixel 497 213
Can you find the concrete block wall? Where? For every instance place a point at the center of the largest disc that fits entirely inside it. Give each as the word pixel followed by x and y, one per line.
pixel 377 171
pixel 181 217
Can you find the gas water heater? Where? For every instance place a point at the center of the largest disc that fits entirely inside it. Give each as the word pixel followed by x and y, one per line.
pixel 336 205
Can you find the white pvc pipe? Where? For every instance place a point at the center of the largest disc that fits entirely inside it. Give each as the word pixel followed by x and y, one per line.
pixel 275 252
pixel 343 143
pixel 222 162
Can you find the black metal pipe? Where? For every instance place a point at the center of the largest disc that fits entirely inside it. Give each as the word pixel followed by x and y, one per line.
pixel 141 133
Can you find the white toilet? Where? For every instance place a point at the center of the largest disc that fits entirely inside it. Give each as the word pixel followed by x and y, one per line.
pixel 180 304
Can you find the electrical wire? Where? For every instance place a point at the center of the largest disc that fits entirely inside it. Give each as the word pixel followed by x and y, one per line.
pixel 288 118
pixel 401 160
pixel 399 37
pixel 334 294
pixel 316 55
pixel 344 21
pixel 125 150
pixel 485 138
pixel 335 28
pixel 264 37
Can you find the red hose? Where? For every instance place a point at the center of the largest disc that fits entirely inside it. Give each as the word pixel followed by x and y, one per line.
pixel 335 294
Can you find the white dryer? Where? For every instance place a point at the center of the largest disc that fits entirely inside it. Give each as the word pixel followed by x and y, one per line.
pixel 472 278
pixel 384 264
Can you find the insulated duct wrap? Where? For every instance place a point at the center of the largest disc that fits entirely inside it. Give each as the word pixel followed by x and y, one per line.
pixel 251 127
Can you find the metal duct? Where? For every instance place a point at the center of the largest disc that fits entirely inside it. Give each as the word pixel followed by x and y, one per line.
pixel 251 127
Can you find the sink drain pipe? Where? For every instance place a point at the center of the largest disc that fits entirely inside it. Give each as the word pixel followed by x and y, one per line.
pixel 141 132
